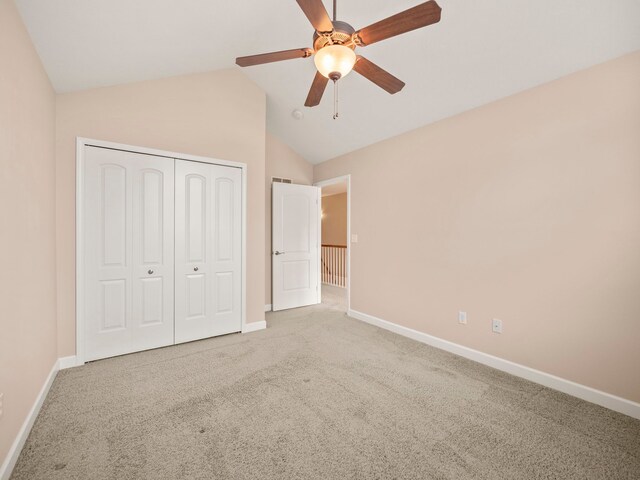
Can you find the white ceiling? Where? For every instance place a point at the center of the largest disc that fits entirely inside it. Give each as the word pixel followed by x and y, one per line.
pixel 481 50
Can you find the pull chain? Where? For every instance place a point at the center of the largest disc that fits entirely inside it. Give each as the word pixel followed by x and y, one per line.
pixel 335 79
pixel 335 99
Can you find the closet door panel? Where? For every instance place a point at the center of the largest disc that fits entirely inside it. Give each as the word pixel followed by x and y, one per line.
pixel 193 246
pixel 113 305
pixel 195 218
pixel 152 197
pixel 227 263
pixel 196 306
pixel 113 205
pixel 225 216
pixel 224 292
pixel 128 231
pixel 107 253
pixel 208 242
pixel 152 302
pixel 153 237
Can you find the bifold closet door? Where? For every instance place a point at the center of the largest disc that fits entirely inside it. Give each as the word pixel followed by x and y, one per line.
pixel 128 219
pixel 208 250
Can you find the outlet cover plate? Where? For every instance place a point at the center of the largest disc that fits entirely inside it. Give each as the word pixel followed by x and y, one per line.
pixel 496 326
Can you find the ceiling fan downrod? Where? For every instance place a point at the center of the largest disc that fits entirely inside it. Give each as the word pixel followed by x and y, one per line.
pixel 335 2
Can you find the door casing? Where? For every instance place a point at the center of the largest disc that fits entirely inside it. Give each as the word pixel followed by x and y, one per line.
pixel 81 143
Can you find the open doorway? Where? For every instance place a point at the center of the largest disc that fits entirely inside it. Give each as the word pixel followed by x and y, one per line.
pixel 335 251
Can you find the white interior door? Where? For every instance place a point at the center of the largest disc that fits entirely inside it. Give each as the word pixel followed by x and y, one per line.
pixel 128 255
pixel 208 250
pixel 296 246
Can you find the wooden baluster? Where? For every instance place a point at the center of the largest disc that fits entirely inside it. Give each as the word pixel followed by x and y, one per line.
pixel 333 265
pixel 340 267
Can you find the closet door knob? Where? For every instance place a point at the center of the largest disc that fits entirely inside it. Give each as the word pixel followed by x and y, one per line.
pixel 150 272
pixel 195 269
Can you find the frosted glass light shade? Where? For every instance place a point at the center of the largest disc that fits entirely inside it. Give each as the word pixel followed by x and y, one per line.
pixel 335 59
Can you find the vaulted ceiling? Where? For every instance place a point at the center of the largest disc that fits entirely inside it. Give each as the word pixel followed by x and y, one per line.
pixel 482 50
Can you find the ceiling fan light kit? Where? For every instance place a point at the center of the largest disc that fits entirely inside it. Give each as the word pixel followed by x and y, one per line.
pixel 334 44
pixel 335 61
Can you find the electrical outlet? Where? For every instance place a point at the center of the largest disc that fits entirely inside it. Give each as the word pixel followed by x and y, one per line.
pixel 462 317
pixel 1 403
pixel 496 326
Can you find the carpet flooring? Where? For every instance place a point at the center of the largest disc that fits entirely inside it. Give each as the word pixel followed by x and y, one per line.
pixel 334 297
pixel 317 395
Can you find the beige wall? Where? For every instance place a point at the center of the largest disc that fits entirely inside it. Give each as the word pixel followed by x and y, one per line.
pixel 219 114
pixel 527 210
pixel 334 219
pixel 281 162
pixel 27 229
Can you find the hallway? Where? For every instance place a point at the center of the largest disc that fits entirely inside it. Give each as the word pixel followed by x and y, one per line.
pixel 334 298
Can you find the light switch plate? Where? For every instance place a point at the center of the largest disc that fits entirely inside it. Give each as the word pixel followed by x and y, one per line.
pixel 462 317
pixel 354 238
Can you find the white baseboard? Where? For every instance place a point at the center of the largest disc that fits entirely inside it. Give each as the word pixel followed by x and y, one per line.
pixel 67 362
pixel 267 307
pixel 21 438
pixel 254 326
pixel 589 394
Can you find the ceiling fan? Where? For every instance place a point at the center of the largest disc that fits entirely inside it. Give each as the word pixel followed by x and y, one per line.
pixel 334 43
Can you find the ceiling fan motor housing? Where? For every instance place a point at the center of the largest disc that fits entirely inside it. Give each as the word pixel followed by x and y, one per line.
pixel 342 35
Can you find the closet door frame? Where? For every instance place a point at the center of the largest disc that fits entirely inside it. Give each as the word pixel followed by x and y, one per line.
pixel 81 144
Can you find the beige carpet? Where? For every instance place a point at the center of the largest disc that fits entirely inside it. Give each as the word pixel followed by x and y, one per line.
pixel 321 396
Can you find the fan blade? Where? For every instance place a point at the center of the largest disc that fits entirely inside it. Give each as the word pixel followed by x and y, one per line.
pixel 403 22
pixel 317 14
pixel 274 57
pixel 316 91
pixel 377 75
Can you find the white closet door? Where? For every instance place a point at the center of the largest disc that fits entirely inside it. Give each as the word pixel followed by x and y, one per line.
pixel 208 250
pixel 129 234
